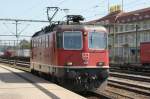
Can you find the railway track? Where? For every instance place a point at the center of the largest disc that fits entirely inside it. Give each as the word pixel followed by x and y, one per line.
pixel 130 76
pixel 131 69
pixel 16 62
pixel 95 95
pixel 130 85
pixel 130 72
pixel 22 65
pixel 120 85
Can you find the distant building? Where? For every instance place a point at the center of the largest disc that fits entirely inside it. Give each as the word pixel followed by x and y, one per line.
pixel 126 31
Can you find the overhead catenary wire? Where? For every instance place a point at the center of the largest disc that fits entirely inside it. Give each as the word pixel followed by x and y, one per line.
pixel 36 4
pixel 23 20
pixel 61 2
pixel 19 35
pixel 95 15
pixel 91 8
pixel 8 28
pixel 24 29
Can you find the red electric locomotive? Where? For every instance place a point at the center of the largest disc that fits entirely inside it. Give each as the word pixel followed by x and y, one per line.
pixel 73 54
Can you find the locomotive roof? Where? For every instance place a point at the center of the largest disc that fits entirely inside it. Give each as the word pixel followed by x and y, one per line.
pixel 79 27
pixel 55 27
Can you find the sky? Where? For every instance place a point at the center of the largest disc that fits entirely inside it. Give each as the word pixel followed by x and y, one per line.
pixel 36 10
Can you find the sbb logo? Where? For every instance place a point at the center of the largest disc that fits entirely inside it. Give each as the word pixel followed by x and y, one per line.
pixel 85 57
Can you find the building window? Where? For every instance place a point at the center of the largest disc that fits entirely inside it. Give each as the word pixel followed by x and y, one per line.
pixel 134 18
pixel 111 29
pixel 146 16
pixel 140 17
pixel 148 36
pixel 145 25
pixel 131 39
pixel 132 27
pixel 144 37
pixel 121 28
pixel 110 39
pixel 141 37
pixel 126 38
pixel 127 27
pixel 120 39
pixel 128 20
pixel 116 29
pixel 148 24
pixel 122 21
pixel 140 24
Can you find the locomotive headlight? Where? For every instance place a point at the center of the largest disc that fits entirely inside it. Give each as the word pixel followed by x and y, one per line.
pixel 94 77
pixel 85 33
pixel 79 77
pixel 69 64
pixel 100 63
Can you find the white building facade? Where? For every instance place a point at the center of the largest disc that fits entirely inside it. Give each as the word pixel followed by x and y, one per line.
pixel 126 31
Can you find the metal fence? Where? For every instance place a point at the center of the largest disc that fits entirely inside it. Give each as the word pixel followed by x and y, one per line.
pixel 124 55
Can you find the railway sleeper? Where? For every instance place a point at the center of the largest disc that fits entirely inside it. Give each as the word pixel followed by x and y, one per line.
pixel 129 87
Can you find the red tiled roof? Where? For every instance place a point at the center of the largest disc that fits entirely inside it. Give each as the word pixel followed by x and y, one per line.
pixel 137 11
pixel 124 15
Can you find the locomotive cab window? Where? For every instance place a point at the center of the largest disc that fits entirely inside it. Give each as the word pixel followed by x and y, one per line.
pixel 72 40
pixel 59 40
pixel 97 40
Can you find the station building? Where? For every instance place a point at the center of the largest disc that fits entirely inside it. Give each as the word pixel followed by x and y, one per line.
pixel 126 31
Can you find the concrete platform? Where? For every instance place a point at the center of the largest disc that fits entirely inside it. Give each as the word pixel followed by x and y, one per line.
pixel 17 84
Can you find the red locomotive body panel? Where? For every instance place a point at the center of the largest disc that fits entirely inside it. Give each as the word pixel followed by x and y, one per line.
pixel 145 53
pixel 77 59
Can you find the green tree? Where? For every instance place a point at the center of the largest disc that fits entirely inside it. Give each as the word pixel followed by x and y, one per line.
pixel 24 44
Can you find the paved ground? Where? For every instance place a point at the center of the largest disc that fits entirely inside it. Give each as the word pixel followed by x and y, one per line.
pixel 16 84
